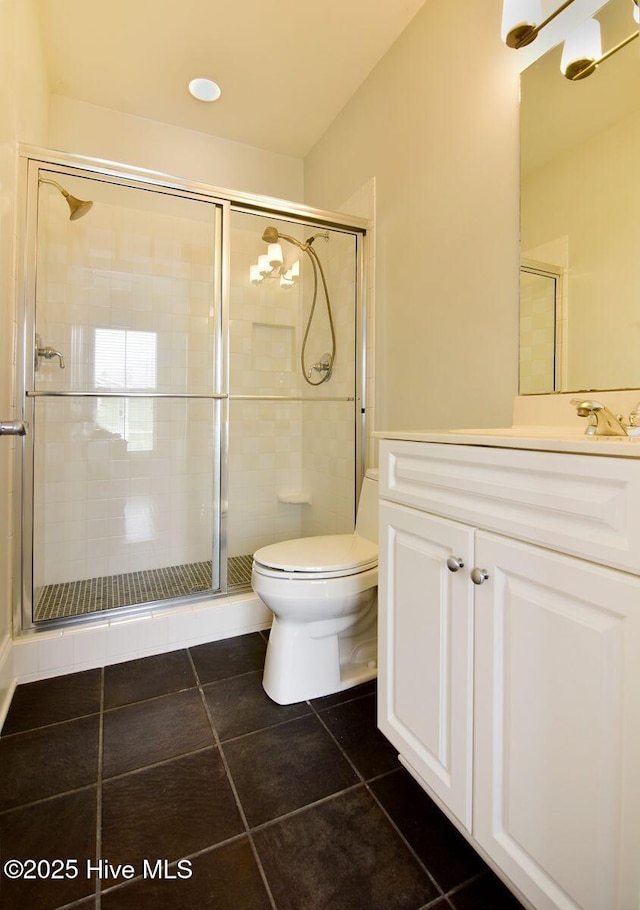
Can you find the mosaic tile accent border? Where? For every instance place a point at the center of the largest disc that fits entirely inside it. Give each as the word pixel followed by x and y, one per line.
pixel 89 595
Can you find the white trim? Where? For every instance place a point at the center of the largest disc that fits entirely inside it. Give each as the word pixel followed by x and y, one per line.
pixel 41 655
pixel 7 679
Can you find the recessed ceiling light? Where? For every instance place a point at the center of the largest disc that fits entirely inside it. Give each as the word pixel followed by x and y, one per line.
pixel 205 89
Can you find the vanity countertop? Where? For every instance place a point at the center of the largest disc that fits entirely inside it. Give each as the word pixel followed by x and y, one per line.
pixel 537 438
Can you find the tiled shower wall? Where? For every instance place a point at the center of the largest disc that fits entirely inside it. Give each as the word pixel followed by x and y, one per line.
pixel 126 484
pixel 126 295
pixel 291 463
pixel 328 427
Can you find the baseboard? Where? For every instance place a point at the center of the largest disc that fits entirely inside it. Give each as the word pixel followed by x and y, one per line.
pixel 7 679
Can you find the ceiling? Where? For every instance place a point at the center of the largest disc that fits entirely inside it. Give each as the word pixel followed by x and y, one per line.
pixel 285 68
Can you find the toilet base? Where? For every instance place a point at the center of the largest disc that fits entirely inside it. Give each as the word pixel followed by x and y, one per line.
pixel 302 663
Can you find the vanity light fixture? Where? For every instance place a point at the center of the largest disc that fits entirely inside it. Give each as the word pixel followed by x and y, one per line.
pixel 582 51
pixel 582 48
pixel 272 265
pixel 522 21
pixel 205 89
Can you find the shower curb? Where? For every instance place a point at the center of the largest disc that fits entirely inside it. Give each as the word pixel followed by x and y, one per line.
pixel 111 640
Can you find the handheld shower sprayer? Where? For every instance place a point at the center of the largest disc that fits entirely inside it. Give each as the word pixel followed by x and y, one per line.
pixel 271 235
pixel 325 365
pixel 77 207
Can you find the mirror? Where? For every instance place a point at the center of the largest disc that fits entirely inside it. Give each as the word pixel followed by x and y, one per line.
pixel 580 219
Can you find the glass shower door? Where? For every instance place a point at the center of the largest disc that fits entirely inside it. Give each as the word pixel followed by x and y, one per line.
pixel 292 453
pixel 125 395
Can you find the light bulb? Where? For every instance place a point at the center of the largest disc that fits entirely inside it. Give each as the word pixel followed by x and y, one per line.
pixel 581 50
pixel 295 270
pixel 519 17
pixel 274 252
pixel 264 266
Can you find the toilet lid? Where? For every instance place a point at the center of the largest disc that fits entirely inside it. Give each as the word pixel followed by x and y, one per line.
pixel 331 553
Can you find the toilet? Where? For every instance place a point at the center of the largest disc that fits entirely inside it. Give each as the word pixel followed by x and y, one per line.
pixel 322 592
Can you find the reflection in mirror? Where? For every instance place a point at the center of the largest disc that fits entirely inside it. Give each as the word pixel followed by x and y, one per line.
pixel 580 213
pixel 540 333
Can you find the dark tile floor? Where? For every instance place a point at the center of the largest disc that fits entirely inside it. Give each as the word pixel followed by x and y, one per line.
pixel 179 767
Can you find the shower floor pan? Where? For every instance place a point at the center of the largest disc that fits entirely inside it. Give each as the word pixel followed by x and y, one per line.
pixel 76 598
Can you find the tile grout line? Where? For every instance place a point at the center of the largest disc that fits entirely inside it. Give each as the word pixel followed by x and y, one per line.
pixel 159 763
pixel 301 809
pixel 404 840
pixel 57 723
pixel 46 799
pixel 211 848
pixel 381 807
pixel 466 882
pixel 234 790
pixel 335 740
pixel 377 802
pixel 450 891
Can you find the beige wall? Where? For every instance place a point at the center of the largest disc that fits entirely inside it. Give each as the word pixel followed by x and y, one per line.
pixel 23 116
pixel 98 132
pixel 436 124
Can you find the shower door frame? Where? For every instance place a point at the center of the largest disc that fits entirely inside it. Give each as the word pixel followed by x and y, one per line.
pixel 31 160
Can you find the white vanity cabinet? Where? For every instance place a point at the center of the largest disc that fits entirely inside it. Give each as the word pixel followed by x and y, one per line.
pixel 516 700
pixel 426 645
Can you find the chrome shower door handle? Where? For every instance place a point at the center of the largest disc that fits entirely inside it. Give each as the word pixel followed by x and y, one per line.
pixel 13 428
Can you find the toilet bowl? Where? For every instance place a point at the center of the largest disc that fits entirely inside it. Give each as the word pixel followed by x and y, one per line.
pixel 322 592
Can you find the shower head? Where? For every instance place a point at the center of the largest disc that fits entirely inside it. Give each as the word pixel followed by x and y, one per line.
pixel 77 207
pixel 273 235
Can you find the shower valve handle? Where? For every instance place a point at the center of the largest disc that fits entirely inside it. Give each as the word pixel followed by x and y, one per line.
pixel 47 352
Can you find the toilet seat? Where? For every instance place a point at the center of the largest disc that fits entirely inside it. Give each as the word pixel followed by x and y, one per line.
pixel 329 556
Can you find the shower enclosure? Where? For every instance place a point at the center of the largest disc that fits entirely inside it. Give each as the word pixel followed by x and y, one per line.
pixel 172 430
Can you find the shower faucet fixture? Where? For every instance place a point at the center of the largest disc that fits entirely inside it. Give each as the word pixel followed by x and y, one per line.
pixel 323 366
pixel 47 352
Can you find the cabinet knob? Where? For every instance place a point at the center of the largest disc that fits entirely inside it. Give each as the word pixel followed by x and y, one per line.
pixel 454 563
pixel 479 576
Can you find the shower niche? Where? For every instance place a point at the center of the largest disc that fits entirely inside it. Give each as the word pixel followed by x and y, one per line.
pixel 172 428
pixel 273 348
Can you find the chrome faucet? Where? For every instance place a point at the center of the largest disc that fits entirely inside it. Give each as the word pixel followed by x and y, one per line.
pixel 602 421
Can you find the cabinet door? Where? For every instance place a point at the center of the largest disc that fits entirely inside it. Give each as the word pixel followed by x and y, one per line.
pixel 425 644
pixel 557 747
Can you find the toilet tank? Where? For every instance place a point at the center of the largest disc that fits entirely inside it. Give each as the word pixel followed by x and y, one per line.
pixel 367 518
